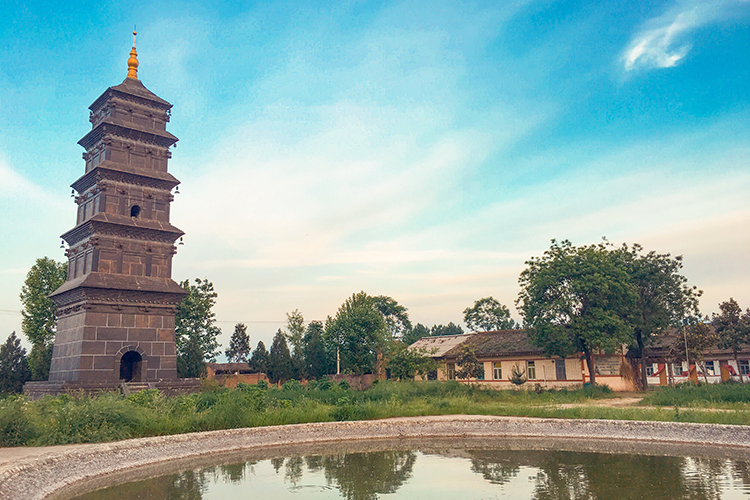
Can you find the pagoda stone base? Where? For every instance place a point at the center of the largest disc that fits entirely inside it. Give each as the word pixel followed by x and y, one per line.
pixel 105 343
pixel 37 390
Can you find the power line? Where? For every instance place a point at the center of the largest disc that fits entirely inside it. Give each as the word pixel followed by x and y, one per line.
pixel 258 321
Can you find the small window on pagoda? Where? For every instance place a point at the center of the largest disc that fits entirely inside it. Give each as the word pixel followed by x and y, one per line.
pixel 135 210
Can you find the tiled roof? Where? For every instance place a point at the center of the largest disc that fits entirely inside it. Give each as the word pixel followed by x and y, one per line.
pixel 498 343
pixel 437 346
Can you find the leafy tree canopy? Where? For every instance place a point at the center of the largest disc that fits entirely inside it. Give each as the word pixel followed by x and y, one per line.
pixel 449 329
pixel 577 300
pixel 415 333
pixel 195 329
pixel 488 314
pixel 39 323
pixel 14 370
pixel 239 345
pixel 467 364
pixel 394 314
pixel 698 336
pixel 259 359
pixel 317 360
pixel 295 330
pixel 358 332
pixel 405 363
pixel 663 295
pixel 280 368
pixel 732 327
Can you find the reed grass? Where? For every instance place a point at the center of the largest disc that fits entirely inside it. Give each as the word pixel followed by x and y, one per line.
pixel 79 418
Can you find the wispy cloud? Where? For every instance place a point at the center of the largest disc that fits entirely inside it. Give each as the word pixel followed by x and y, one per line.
pixel 664 41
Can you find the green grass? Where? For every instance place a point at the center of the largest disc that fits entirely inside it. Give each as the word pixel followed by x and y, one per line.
pixel 726 395
pixel 109 416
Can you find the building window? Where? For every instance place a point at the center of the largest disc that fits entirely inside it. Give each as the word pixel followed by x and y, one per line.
pixel 451 371
pixel 135 210
pixel 497 371
pixel 530 370
pixel 744 367
pixel 481 374
pixel 560 373
pixel 649 370
pixel 710 368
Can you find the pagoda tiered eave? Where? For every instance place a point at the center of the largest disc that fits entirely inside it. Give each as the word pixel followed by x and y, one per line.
pixel 122 226
pixel 126 174
pixel 130 131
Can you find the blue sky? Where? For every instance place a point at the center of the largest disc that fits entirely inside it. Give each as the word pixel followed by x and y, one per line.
pixel 422 150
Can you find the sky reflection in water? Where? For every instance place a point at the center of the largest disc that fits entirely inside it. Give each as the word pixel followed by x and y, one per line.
pixel 465 474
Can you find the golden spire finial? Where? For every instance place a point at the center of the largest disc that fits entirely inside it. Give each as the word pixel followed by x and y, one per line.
pixel 133 61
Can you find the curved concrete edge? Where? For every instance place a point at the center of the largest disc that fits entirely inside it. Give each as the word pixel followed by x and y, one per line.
pixel 38 477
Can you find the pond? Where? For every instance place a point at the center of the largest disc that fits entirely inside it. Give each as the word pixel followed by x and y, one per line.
pixel 463 469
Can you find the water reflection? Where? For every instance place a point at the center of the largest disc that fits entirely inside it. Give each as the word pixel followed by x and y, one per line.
pixel 542 475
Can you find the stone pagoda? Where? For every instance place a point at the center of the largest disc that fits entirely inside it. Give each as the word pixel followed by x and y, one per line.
pixel 116 311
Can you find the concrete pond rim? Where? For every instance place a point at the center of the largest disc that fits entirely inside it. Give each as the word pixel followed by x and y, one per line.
pixel 62 472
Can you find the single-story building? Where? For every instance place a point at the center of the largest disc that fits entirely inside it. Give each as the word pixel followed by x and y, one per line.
pixel 231 374
pixel 499 351
pixel 668 363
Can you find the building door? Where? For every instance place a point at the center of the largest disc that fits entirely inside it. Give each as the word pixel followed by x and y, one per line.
pixel 560 370
pixel 130 367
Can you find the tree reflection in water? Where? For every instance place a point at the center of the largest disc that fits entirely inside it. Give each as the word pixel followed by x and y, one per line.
pixel 361 476
pixel 584 476
pixel 552 475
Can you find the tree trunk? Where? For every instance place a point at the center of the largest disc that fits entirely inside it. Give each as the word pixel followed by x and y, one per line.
pixel 703 367
pixel 739 370
pixel 590 365
pixel 644 377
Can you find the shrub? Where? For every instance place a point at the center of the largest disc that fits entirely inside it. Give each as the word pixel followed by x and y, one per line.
pixel 292 385
pixel 15 426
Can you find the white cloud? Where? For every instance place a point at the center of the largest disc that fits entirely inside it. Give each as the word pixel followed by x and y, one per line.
pixel 663 41
pixel 14 184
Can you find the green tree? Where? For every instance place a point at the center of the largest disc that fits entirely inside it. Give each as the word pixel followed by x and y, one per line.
pixel 195 329
pixel 394 314
pixel 415 333
pixel 357 332
pixel 295 334
pixel 698 337
pixel 663 296
pixel 732 328
pixel 239 345
pixel 517 375
pixel 404 362
pixel 190 362
pixel 14 370
pixel 449 329
pixel 317 360
pixel 488 314
pixel 280 367
pixel 259 359
pixel 577 300
pixel 468 365
pixel 295 330
pixel 39 322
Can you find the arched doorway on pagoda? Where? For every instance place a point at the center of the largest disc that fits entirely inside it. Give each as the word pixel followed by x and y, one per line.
pixel 131 365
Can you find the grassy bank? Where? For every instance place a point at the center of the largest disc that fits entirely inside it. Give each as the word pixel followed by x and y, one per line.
pixel 109 417
pixel 718 396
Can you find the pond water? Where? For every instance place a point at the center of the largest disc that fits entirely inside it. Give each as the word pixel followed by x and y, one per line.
pixel 449 473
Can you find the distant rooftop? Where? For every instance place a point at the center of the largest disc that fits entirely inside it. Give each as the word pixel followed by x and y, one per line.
pixel 438 346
